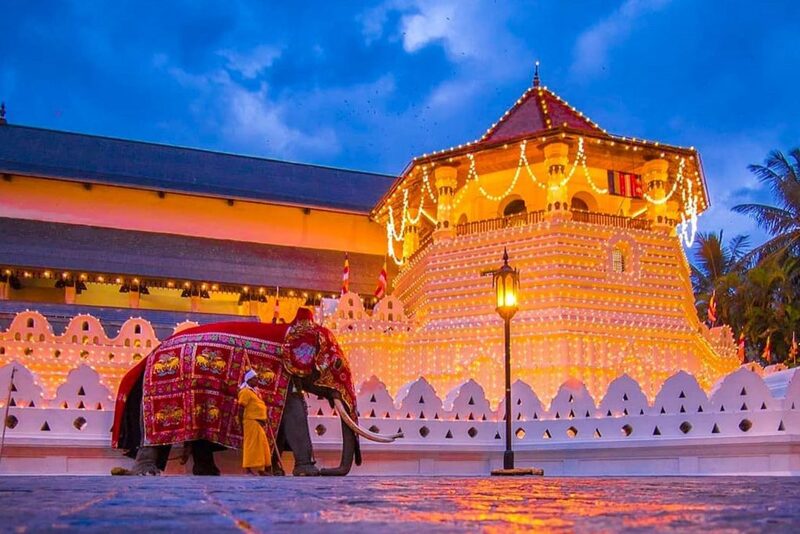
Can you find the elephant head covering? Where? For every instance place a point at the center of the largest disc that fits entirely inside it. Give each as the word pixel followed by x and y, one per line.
pixel 311 347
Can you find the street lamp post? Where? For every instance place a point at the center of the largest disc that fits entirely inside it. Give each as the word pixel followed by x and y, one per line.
pixel 506 285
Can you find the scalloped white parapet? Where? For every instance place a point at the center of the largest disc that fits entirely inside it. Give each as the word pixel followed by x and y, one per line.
pixel 375 401
pixel 468 402
pixel 418 400
pixel 624 397
pixel 680 394
pixel 25 393
pixel 572 401
pixel 83 391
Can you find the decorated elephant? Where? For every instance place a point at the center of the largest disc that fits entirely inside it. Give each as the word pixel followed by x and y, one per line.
pixel 184 392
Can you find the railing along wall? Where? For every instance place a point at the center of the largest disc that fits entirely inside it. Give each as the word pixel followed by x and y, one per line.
pixel 533 217
pixel 607 219
pixel 487 225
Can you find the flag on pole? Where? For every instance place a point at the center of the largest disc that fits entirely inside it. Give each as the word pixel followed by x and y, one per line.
pixel 767 354
pixel 793 349
pixel 380 291
pixel 625 184
pixel 346 274
pixel 276 313
pixel 740 352
pixel 712 308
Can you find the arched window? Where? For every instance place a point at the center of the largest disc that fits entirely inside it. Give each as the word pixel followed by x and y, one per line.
pixel 463 219
pixel 578 204
pixel 514 207
pixel 617 261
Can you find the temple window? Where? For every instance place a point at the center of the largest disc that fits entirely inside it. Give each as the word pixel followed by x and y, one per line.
pixel 578 204
pixel 30 323
pixel 137 329
pixel 514 207
pixel 463 219
pixel 617 261
pixel 85 326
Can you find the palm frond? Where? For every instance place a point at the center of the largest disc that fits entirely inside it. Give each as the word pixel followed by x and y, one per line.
pixel 737 248
pixel 773 220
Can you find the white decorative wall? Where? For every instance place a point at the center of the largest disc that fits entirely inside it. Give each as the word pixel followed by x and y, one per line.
pixel 748 424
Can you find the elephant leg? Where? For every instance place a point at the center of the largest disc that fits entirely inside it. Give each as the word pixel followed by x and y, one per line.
pixel 294 428
pixel 149 461
pixel 203 459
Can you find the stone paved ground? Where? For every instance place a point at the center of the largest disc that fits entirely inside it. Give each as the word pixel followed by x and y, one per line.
pixel 358 504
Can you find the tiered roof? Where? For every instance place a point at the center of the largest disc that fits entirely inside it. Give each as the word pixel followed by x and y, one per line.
pixel 536 111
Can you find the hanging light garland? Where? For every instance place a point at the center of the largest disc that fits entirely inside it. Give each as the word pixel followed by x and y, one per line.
pixel 678 179
pixel 426 184
pixel 391 226
pixel 687 226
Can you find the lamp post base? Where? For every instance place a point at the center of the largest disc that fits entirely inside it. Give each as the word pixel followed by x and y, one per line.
pixel 517 471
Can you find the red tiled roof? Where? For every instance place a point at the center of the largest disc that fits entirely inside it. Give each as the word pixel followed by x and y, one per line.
pixel 537 110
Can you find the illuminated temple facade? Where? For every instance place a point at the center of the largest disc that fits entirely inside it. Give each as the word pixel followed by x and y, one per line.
pixel 98 230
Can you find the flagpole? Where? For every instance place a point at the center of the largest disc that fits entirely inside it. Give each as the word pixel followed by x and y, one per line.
pixel 5 415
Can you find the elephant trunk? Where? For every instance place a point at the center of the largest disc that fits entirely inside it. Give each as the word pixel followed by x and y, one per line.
pixel 348 452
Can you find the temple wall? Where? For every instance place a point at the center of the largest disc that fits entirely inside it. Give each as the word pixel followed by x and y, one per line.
pixel 181 214
pixel 749 423
pixel 578 317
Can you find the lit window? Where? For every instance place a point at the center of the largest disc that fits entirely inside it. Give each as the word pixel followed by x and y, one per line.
pixel 617 261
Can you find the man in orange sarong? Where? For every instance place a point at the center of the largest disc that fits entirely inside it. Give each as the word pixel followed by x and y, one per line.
pixel 253 417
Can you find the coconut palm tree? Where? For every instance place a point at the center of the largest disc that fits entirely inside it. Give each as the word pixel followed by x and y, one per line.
pixel 781 174
pixel 717 269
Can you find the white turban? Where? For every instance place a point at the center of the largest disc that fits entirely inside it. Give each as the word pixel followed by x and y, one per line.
pixel 247 376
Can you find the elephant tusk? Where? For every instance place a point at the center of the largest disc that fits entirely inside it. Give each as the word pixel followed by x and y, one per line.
pixel 340 408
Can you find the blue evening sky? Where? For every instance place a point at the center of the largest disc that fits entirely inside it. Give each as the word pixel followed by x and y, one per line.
pixel 370 85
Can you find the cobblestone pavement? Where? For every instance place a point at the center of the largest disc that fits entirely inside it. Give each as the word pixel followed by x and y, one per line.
pixel 356 504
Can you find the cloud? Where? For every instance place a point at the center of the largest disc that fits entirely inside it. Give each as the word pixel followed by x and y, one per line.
pixel 434 22
pixel 479 50
pixel 252 62
pixel 467 31
pixel 252 118
pixel 593 45
pixel 725 161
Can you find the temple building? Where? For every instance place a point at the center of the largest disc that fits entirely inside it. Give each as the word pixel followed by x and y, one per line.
pixel 110 229
pixel 593 221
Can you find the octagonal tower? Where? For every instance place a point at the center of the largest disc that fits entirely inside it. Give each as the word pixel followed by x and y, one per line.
pixel 593 221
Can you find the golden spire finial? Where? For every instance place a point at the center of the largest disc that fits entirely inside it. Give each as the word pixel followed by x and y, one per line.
pixel 536 75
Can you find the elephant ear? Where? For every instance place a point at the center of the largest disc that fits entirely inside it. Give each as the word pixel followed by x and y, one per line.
pixel 300 347
pixel 335 372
